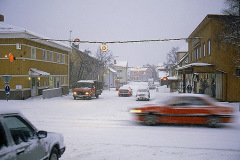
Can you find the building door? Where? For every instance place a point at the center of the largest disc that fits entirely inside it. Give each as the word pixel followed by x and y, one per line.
pixel 34 89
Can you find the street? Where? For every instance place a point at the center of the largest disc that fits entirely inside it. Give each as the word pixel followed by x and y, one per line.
pixel 104 129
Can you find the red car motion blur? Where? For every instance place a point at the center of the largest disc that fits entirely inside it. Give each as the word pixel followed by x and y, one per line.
pixel 185 108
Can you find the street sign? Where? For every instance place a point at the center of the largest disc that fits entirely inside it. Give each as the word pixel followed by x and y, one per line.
pixel 6 79
pixel 7 90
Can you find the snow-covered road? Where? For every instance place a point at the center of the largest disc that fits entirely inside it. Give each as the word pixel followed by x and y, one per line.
pixel 103 129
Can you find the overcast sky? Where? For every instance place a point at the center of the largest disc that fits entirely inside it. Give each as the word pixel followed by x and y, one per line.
pixel 114 20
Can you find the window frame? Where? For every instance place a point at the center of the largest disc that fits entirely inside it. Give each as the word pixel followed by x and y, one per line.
pixel 44 55
pixel 23 122
pixel 63 58
pixel 209 47
pixel 33 53
pixel 58 58
pixel 204 49
pixel 51 56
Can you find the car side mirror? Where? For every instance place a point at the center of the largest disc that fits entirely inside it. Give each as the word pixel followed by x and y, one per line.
pixel 42 134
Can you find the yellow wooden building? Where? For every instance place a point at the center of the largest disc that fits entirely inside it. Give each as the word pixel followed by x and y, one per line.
pixel 38 64
pixel 213 67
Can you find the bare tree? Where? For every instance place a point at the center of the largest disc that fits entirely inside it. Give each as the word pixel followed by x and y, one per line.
pixel 171 58
pixel 230 33
pixel 104 58
pixel 84 66
pixel 232 7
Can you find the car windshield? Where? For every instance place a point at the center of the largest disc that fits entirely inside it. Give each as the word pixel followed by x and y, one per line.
pixel 142 90
pixel 83 85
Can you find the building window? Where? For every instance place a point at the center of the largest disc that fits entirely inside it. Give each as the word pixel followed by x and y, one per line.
pixel 63 58
pixel 238 72
pixel 209 47
pixel 199 52
pixel 33 53
pixel 58 58
pixel 63 80
pixel 51 56
pixel 191 56
pixel 44 55
pixel 203 49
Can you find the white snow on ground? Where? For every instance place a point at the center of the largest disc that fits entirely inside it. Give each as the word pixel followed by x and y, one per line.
pixel 104 129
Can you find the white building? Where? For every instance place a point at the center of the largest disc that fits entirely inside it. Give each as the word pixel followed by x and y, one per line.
pixel 110 78
pixel 140 74
pixel 121 67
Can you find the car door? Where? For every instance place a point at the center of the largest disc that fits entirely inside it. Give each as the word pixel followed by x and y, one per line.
pixel 27 145
pixel 188 110
pixel 7 151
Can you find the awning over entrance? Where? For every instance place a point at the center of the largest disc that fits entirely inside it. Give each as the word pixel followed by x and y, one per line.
pixel 36 72
pixel 197 68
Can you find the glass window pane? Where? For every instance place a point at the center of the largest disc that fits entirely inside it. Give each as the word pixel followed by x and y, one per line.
pixel 19 129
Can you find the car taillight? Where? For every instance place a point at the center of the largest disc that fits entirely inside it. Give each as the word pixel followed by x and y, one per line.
pixel 118 91
pixel 129 92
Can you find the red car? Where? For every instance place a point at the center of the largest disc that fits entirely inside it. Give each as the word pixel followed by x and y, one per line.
pixel 185 108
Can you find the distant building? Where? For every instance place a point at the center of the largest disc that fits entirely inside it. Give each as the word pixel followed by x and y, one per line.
pixel 162 72
pixel 122 71
pixel 110 78
pixel 38 64
pixel 140 74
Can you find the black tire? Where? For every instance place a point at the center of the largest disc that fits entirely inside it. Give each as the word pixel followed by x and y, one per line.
pixel 75 98
pixel 54 154
pixel 150 119
pixel 97 95
pixel 213 122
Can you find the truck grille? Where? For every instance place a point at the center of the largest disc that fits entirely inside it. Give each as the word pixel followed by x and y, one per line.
pixel 81 93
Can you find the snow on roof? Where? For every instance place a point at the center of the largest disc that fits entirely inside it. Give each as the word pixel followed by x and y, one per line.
pixel 86 81
pixel 194 65
pixel 162 74
pixel 121 63
pixel 9 111
pixel 172 78
pixel 10 31
pixel 112 70
pixel 36 72
pixel 138 69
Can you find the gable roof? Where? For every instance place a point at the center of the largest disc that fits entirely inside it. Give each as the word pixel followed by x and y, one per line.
pixel 10 31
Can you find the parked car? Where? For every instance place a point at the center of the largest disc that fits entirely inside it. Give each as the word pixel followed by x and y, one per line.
pixel 143 94
pixel 117 87
pixel 152 86
pixel 185 108
pixel 125 91
pixel 21 140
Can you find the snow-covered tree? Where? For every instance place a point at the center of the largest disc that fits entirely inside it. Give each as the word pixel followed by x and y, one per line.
pixel 171 58
pixel 230 33
pixel 232 7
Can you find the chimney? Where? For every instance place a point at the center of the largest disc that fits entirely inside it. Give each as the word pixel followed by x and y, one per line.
pixel 1 18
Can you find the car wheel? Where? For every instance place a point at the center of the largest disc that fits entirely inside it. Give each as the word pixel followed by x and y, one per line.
pixel 97 95
pixel 54 154
pixel 150 119
pixel 213 122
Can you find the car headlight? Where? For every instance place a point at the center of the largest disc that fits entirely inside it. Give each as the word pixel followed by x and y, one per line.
pixel 87 93
pixel 135 111
pixel 74 93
